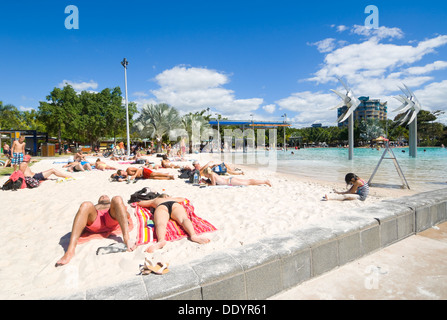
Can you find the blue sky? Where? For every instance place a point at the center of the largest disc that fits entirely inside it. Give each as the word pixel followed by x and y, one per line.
pixel 239 58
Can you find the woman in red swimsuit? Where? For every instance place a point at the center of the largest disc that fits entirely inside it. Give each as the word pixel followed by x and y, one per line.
pixel 145 173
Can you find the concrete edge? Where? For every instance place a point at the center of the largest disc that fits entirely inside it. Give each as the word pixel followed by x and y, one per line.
pixel 277 263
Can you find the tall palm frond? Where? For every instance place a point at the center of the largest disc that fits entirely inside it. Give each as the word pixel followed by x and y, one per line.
pixel 155 121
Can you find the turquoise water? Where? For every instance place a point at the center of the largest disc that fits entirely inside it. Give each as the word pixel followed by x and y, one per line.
pixel 425 172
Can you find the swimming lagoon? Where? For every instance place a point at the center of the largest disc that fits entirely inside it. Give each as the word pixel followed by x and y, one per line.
pixel 424 173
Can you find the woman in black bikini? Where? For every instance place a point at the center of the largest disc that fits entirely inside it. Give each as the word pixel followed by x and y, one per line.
pixel 169 208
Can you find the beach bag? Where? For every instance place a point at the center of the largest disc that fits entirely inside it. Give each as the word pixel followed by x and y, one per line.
pixel 220 169
pixel 184 173
pixel 12 185
pixel 191 175
pixel 31 182
pixel 142 195
pixel 16 181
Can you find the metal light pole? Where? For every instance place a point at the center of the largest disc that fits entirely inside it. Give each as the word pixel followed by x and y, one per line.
pixel 351 136
pixel 285 120
pixel 125 63
pixel 218 134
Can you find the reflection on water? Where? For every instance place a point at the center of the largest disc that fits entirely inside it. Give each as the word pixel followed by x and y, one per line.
pixel 425 172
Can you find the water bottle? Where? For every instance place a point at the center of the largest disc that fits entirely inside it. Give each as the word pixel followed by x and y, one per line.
pixel 196 178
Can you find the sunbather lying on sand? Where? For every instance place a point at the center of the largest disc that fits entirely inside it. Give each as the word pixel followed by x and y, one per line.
pixel 169 208
pixel 76 166
pixel 132 173
pixel 101 165
pixel 232 181
pixel 166 163
pixel 102 217
pixel 230 169
pixel 40 176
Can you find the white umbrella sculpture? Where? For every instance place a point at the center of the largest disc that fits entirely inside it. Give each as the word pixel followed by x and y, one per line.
pixel 410 107
pixel 351 102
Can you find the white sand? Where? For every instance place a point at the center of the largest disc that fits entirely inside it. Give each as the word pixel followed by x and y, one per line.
pixel 34 221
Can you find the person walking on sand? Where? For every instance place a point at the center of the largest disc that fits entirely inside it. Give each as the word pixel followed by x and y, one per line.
pixel 18 151
pixel 359 190
pixel 105 216
pixel 167 208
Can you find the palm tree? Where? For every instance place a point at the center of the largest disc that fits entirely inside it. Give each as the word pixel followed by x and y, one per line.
pixel 9 117
pixel 155 121
pixel 195 125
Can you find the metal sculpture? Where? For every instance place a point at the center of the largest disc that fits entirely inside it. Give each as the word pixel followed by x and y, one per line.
pixel 351 102
pixel 411 107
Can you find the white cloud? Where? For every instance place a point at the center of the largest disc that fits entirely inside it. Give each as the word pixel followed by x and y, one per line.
pixel 341 28
pixel 369 60
pixel 140 94
pixel 433 96
pixel 22 108
pixel 183 78
pixel 310 106
pixel 79 86
pixel 326 45
pixel 378 33
pixel 437 65
pixel 270 108
pixel 194 89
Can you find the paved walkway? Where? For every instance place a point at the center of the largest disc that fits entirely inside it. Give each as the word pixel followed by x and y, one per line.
pixel 414 268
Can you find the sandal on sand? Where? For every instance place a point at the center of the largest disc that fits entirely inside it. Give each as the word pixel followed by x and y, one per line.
pixel 159 268
pixel 112 248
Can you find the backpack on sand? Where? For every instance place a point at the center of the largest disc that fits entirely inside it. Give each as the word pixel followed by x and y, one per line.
pixel 16 181
pixel 143 194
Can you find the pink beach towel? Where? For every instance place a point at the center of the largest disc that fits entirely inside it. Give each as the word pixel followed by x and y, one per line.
pixel 173 231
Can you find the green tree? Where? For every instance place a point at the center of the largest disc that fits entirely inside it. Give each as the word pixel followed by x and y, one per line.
pixel 115 112
pixel 30 121
pixel 60 111
pixel 10 118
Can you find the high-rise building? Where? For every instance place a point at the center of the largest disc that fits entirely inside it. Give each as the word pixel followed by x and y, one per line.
pixel 368 109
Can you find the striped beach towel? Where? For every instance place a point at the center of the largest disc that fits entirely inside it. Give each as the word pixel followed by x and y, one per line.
pixel 146 233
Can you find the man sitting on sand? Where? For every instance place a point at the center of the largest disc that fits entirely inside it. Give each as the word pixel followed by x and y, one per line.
pixel 40 176
pixel 132 173
pixel 102 217
pixel 169 208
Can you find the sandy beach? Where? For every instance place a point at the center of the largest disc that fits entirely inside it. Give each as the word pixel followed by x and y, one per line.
pixel 36 224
